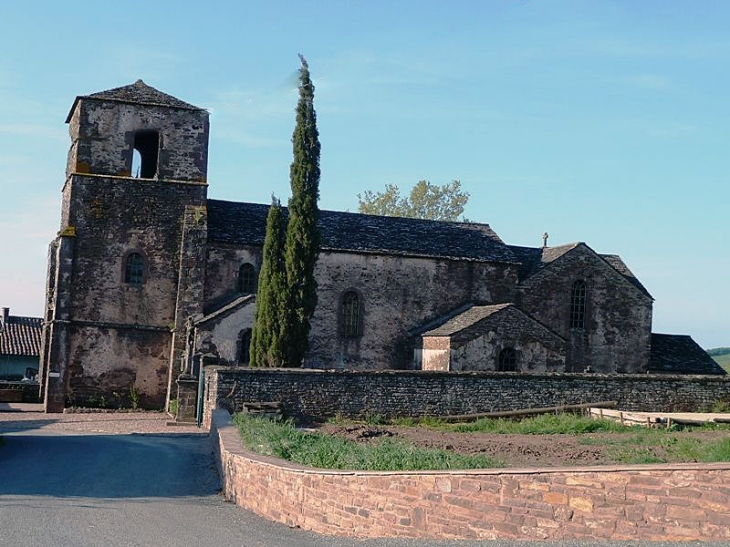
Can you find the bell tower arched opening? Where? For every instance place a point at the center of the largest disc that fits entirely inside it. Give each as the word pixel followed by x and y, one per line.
pixel 144 157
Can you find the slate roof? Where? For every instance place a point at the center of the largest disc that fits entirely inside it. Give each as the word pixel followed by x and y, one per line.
pixel 245 223
pixel 534 259
pixel 679 354
pixel 21 336
pixel 232 305
pixel 136 93
pixel 466 319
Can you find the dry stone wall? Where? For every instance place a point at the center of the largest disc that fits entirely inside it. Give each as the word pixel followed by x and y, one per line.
pixel 318 395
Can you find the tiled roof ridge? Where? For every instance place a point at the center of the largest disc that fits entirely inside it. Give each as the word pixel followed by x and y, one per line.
pixel 468 317
pixel 354 213
pixel 241 222
pixel 19 318
pixel 136 93
pixel 231 305
pixel 535 259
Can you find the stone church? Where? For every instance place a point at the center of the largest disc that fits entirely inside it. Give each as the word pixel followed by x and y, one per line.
pixel 148 278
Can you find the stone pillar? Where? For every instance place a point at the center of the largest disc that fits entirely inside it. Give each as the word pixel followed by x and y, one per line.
pixel 190 293
pixel 57 353
pixel 187 398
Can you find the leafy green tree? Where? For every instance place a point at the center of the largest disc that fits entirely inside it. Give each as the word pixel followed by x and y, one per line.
pixel 267 346
pixel 302 235
pixel 426 200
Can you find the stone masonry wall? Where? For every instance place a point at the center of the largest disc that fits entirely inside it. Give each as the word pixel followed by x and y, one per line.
pixel 397 294
pixel 102 134
pixel 618 315
pixel 113 217
pixel 673 502
pixel 318 395
pixel 478 346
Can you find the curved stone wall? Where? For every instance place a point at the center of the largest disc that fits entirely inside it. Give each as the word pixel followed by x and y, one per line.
pixel 670 502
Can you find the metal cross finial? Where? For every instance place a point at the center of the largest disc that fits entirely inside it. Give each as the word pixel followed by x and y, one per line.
pixel 545 239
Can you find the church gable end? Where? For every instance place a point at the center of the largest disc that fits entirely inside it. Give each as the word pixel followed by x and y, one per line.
pixel 611 332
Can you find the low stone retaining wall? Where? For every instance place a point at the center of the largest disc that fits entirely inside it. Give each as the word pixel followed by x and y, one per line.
pixel 18 392
pixel 317 395
pixel 670 502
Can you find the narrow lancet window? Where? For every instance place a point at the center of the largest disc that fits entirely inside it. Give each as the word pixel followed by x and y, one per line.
pixel 507 360
pixel 146 146
pixel 244 345
pixel 351 324
pixel 134 269
pixel 247 279
pixel 578 305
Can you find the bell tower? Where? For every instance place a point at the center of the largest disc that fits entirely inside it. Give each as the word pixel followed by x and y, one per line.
pixel 121 279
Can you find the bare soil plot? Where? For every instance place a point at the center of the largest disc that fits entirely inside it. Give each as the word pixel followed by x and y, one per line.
pixel 559 450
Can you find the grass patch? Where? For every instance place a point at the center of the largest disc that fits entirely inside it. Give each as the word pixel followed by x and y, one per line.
pixel 663 446
pixel 544 424
pixel 723 361
pixel 284 440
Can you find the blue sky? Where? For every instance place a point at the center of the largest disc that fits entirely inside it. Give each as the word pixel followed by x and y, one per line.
pixel 597 121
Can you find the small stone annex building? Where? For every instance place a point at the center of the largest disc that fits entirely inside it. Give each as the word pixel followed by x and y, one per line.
pixel 147 277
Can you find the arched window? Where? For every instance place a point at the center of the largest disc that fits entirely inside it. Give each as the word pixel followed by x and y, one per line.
pixel 147 146
pixel 507 360
pixel 578 305
pixel 351 315
pixel 244 347
pixel 247 279
pixel 134 269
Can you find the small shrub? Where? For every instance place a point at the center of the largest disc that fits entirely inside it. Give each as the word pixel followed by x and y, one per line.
pixel 134 396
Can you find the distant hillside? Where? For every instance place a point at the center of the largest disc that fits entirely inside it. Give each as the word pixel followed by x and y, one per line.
pixel 722 356
pixel 718 351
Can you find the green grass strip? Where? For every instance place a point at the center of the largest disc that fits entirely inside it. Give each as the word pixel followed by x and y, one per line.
pixel 544 424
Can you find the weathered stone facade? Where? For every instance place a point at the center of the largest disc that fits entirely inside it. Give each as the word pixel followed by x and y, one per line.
pixel 475 340
pixel 148 277
pixel 107 335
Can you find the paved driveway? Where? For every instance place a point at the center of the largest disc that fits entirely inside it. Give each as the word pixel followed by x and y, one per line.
pixel 114 480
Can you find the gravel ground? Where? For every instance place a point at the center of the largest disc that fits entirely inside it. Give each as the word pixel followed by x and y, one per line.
pixel 108 423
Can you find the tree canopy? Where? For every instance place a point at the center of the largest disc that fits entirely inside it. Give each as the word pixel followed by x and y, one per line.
pixel 267 349
pixel 301 248
pixel 427 201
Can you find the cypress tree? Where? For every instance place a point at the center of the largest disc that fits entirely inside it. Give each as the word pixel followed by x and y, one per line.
pixel 302 234
pixel 267 349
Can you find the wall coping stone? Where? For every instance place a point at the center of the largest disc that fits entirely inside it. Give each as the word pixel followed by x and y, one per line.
pixel 485 374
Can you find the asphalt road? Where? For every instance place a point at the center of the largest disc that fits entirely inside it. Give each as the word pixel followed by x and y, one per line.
pixel 69 489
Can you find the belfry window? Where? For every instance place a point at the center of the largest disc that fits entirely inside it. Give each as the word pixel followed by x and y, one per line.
pixel 578 305
pixel 134 269
pixel 144 155
pixel 507 360
pixel 351 315
pixel 247 279
pixel 244 347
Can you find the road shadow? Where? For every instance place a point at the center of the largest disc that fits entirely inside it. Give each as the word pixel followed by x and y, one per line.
pixel 9 426
pixel 107 466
